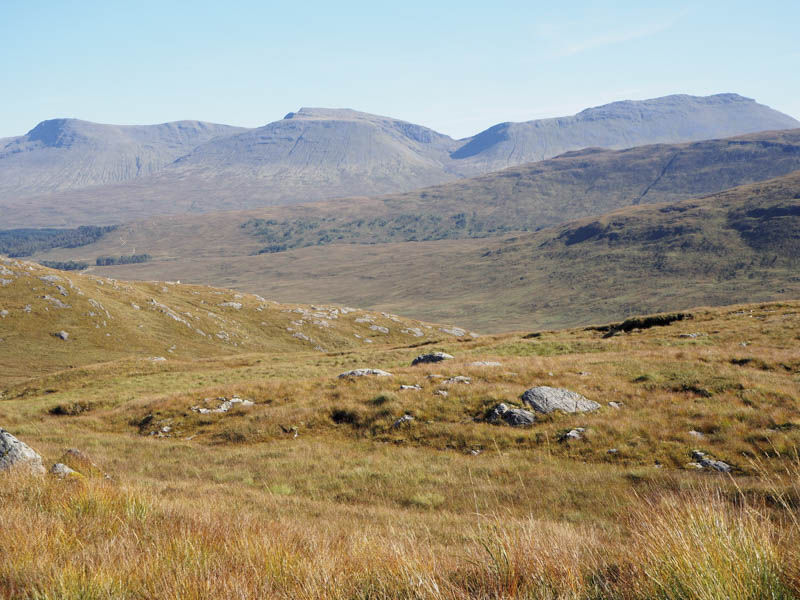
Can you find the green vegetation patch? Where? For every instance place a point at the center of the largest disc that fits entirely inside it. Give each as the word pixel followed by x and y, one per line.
pixel 69 265
pixel 282 235
pixel 25 242
pixel 105 261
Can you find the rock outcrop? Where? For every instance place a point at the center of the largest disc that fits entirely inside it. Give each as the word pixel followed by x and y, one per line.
pixel 545 400
pixel 364 372
pixel 705 462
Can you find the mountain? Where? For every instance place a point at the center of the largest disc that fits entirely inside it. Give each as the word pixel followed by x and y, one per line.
pixel 740 245
pixel 622 125
pixel 317 154
pixel 63 154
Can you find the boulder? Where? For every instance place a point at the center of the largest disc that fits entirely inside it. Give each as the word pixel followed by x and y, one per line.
pixel 432 357
pixel 364 372
pixel 485 363
pixel 545 400
pixel 61 471
pixel 14 453
pixel 516 417
pixel 458 379
pixel 62 335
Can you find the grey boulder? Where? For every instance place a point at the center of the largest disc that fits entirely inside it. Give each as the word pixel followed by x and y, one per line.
pixel 516 417
pixel 14 453
pixel 545 400
pixel 432 357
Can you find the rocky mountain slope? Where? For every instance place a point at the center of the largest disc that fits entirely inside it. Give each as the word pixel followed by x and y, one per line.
pixel 622 125
pixel 63 154
pixel 50 179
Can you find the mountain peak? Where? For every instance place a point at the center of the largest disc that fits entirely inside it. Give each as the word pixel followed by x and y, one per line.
pixel 55 133
pixel 307 112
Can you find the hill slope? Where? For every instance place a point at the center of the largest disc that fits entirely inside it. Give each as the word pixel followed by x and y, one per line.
pixel 334 488
pixel 317 154
pixel 735 246
pixel 108 320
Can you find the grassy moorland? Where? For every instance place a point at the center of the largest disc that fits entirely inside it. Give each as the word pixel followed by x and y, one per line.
pixel 740 245
pixel 312 492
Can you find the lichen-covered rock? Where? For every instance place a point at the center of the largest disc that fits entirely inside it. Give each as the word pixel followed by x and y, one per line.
pixel 516 417
pixel 14 453
pixel 432 357
pixel 546 399
pixel 61 471
pixel 485 363
pixel 364 372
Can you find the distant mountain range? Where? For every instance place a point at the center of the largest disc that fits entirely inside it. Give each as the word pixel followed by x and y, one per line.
pixel 67 172
pixel 523 198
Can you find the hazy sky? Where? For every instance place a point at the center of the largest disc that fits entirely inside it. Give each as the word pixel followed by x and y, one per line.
pixel 457 67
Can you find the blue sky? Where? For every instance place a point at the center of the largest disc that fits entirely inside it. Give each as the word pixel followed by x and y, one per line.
pixel 457 67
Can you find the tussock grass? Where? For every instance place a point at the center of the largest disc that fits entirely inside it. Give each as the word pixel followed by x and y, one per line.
pixel 702 547
pixel 312 493
pixel 90 538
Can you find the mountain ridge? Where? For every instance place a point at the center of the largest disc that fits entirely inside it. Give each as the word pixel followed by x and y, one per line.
pixel 318 154
pixel 575 185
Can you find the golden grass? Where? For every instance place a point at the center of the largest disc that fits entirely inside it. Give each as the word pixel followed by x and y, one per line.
pixel 91 538
pixel 235 506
